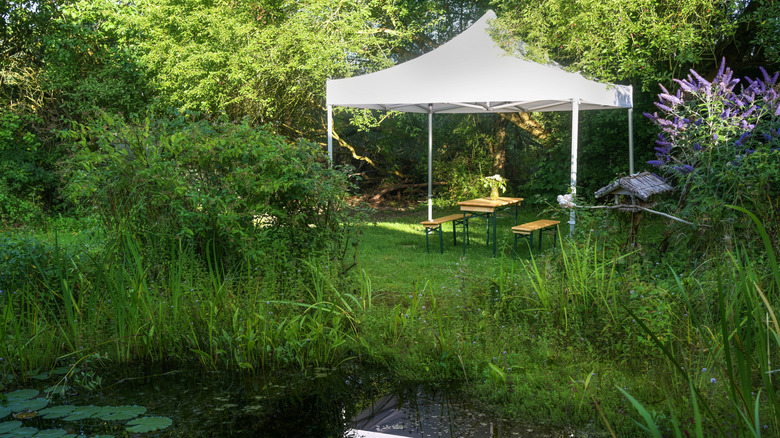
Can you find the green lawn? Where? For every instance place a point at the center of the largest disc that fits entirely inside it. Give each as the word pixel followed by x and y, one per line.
pixel 392 249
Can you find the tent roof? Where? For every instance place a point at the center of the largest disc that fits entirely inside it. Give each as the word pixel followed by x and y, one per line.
pixel 471 74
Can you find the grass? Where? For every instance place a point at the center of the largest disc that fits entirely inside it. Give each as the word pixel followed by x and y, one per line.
pixel 393 251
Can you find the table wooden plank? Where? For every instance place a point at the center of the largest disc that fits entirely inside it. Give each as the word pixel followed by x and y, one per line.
pixel 488 204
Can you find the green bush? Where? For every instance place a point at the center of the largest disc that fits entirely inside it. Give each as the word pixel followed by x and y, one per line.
pixel 25 169
pixel 29 263
pixel 231 190
pixel 719 144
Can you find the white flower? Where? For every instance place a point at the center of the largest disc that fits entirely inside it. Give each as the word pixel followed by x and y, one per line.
pixel 566 201
pixel 495 181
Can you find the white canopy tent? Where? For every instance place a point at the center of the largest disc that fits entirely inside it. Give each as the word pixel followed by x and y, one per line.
pixel 471 74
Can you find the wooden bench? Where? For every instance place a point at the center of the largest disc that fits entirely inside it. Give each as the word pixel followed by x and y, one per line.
pixel 527 231
pixel 435 225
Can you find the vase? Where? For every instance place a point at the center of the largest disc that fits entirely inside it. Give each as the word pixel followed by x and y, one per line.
pixel 494 192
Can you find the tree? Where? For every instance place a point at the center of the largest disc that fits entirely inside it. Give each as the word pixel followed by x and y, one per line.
pixel 267 60
pixel 27 154
pixel 644 40
pixel 92 60
pixel 23 28
pixel 229 188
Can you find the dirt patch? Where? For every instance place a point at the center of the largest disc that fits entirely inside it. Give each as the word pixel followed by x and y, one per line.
pixel 388 209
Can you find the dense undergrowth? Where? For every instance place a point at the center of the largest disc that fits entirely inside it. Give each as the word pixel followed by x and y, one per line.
pixel 557 338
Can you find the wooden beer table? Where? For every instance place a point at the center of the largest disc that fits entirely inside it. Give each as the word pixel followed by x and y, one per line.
pixel 487 208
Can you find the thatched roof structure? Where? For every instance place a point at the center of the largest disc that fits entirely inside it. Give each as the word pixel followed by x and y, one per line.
pixel 634 194
pixel 642 186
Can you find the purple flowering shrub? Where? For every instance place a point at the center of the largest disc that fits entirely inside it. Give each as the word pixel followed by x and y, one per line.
pixel 720 144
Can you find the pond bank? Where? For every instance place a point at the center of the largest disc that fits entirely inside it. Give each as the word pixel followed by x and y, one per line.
pixel 350 401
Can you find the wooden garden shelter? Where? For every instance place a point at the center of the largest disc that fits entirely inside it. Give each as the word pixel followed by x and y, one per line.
pixel 631 192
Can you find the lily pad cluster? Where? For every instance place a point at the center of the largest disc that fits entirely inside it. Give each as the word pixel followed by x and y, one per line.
pixel 25 404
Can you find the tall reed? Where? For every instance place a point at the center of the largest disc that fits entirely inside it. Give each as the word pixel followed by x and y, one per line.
pixel 584 277
pixel 747 343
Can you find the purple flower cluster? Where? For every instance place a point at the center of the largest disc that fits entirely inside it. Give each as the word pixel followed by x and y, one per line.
pixel 702 116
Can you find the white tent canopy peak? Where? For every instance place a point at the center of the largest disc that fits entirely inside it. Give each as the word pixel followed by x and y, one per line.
pixel 472 74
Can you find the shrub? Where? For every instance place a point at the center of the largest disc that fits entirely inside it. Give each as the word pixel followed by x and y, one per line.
pixel 28 264
pixel 230 189
pixel 720 141
pixel 25 172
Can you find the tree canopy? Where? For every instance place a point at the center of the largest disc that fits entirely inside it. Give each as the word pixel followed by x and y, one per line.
pixel 267 61
pixel 644 40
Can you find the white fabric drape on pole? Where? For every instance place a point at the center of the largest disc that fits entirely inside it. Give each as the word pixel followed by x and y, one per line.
pixel 575 128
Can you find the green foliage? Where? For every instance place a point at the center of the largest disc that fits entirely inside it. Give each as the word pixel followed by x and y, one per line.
pixel 719 143
pixel 550 179
pixel 266 60
pixel 91 59
pixel 27 261
pixel 618 40
pixel 25 169
pixel 23 27
pixel 767 36
pixel 229 188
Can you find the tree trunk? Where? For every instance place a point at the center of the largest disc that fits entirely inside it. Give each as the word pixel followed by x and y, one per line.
pixel 498 146
pixel 525 122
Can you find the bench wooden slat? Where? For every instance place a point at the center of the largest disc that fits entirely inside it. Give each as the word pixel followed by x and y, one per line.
pixel 441 220
pixel 533 226
pixel 526 231
pixel 436 226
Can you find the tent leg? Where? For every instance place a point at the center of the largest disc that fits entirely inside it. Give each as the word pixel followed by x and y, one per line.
pixel 330 133
pixel 575 121
pixel 430 162
pixel 630 141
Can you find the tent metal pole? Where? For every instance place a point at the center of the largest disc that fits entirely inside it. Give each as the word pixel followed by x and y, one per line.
pixel 430 162
pixel 631 141
pixel 575 121
pixel 330 133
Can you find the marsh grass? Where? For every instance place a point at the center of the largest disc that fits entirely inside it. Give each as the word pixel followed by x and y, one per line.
pixel 554 336
pixel 745 342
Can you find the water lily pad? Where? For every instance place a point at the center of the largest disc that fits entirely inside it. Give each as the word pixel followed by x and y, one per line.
pixel 22 394
pixel 82 412
pixel 23 431
pixel 5 411
pixel 111 413
pixel 51 433
pixel 148 424
pixel 9 426
pixel 57 411
pixel 34 404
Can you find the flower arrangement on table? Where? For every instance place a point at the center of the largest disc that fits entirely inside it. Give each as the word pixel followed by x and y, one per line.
pixel 495 183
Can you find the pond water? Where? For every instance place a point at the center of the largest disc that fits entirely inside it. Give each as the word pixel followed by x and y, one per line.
pixel 319 403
